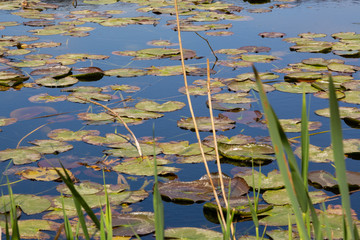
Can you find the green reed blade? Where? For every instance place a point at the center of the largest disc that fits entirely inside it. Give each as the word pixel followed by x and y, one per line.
pixel 305 141
pixel 339 159
pixel 81 218
pixel 76 195
pixel 286 161
pixel 157 201
pixel 108 213
pixel 15 231
pixel 67 225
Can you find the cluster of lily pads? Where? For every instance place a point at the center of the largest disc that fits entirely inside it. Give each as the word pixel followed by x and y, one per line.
pixel 231 96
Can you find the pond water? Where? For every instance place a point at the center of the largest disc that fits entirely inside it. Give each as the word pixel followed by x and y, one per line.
pixel 288 17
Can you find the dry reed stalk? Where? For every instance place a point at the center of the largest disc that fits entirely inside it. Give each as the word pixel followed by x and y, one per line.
pixel 194 120
pixel 215 142
pixel 121 120
pixel 22 139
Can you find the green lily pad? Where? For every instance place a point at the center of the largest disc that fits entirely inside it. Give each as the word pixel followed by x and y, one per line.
pixel 29 204
pixel 221 123
pixel 82 56
pixel 17 52
pixel 232 98
pixel 229 106
pixel 125 72
pixel 33 228
pixel 144 166
pixel 133 223
pixel 88 89
pixel 28 63
pixel 278 216
pixel 199 90
pixel 183 233
pixel 351 85
pixel 302 76
pixel 10 79
pixel 325 95
pixel 239 139
pixel 152 106
pixel 294 125
pixel 160 43
pixel 258 180
pixel 130 150
pixel 174 70
pixel 20 155
pixel 9 23
pixel 7 121
pixel 50 146
pixel 312 46
pixel 235 63
pixel 231 51
pixel 282 234
pixel 257 153
pixel 81 97
pixel 183 148
pixel 220 33
pixel 258 58
pixel 247 86
pixel 46 98
pixel 136 113
pixel 95 116
pixel 280 197
pixel 351 97
pixel 251 76
pixel 317 154
pixel 110 138
pixel 125 88
pixel 52 82
pixel 343 68
pixel 84 188
pixel 196 159
pixel 312 35
pixel 67 135
pixel 295 87
pixel 44 174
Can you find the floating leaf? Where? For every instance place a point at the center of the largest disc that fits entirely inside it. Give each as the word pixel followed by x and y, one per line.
pixel 31 112
pixel 259 181
pixel 232 98
pixel 221 123
pixel 199 90
pixel 258 58
pixel 312 46
pixel 318 154
pixel 79 96
pixel 144 166
pixel 20 155
pixel 251 76
pixel 130 150
pixel 160 43
pixel 295 87
pixel 239 139
pixel 83 188
pixel 44 97
pixel 7 121
pixel 279 216
pixel 343 68
pixel 29 204
pixel 272 35
pixel 43 174
pixel 187 192
pixel 67 135
pixel 57 71
pixel 32 228
pixel 110 138
pixel 88 73
pixel 280 197
pixel 294 125
pixel 133 223
pixel 52 82
pixel 152 106
pixel 312 35
pixel 257 153
pixel 246 86
pixel 125 72
pixel 220 33
pixel 136 113
pixel 302 76
pixel 10 79
pixel 192 233
pixel 351 97
pixel 50 146
pixel 125 88
pixel 82 56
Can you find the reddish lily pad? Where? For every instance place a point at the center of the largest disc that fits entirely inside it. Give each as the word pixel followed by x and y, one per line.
pixel 88 73
pixel 30 112
pixel 57 71
pixel 272 35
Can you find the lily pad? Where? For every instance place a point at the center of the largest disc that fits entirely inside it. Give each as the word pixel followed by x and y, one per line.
pixel 251 76
pixel 110 138
pixel 343 68
pixel 187 192
pixel 272 35
pixel 279 216
pixel 136 113
pixel 232 98
pixel 20 155
pixel 183 148
pixel 44 174
pixel 247 86
pixel 351 97
pixel 258 180
pixel 152 106
pixel 46 98
pixel 50 146
pixel 295 87
pixel 280 197
pixel 302 76
pixel 84 188
pixel 88 73
pixel 294 125
pixel 144 166
pixel 130 150
pixel 81 97
pixel 52 82
pixel 192 233
pixel 125 72
pixel 67 135
pixel 318 154
pixel 258 58
pixel 29 204
pixel 7 121
pixel 221 123
pixel 57 71
pixel 33 228
pixel 133 223
pixel 257 153
pixel 312 46
pixel 199 90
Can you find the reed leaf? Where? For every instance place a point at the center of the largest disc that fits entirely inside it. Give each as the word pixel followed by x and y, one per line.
pixel 15 231
pixel 67 225
pixel 339 159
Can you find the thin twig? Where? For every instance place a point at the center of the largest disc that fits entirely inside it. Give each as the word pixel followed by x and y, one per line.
pixel 22 139
pixel 207 41
pixel 194 119
pixel 121 120
pixel 215 142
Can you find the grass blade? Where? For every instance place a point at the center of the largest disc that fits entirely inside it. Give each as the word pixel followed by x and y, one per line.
pixel 339 159
pixel 15 231
pixel 67 225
